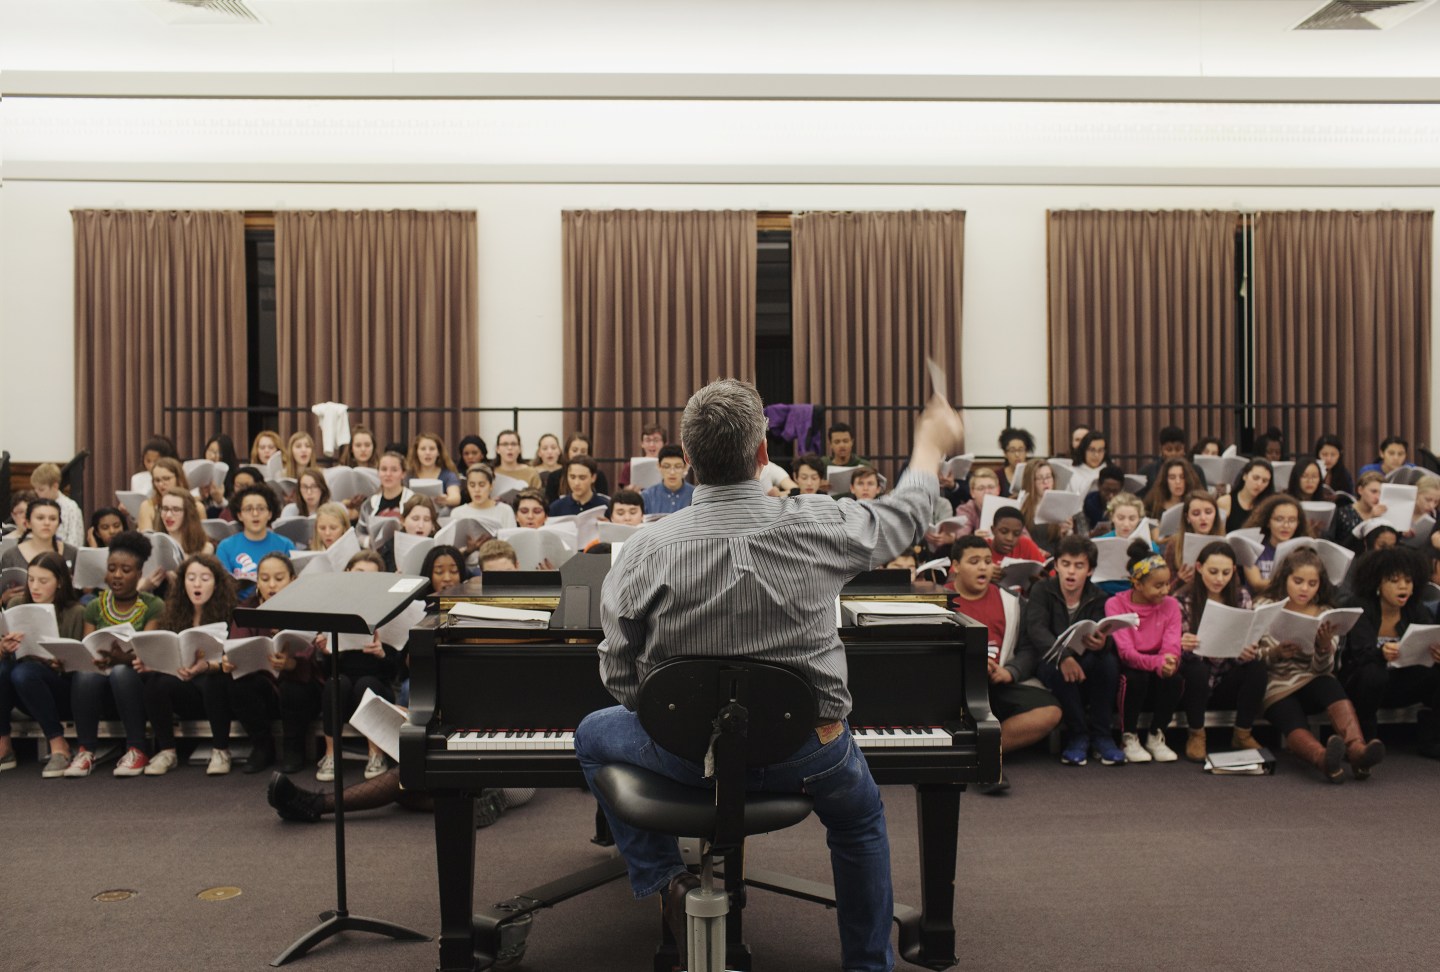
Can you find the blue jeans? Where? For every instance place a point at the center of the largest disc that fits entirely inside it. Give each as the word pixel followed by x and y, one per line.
pixel 1089 706
pixel 834 775
pixel 88 694
pixel 41 691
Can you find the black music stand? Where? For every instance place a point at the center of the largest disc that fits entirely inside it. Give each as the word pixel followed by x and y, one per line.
pixel 351 603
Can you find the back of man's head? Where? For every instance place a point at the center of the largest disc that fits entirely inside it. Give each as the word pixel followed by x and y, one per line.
pixel 722 429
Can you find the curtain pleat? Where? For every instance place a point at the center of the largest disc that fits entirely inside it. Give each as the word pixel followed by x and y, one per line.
pixel 159 321
pixel 379 310
pixel 874 294
pixel 1142 311
pixel 657 304
pixel 1343 316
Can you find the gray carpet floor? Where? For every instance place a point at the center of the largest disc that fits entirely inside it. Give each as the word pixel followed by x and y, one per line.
pixel 1142 867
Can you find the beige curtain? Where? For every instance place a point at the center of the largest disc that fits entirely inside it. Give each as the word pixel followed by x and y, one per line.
pixel 1343 315
pixel 159 320
pixel 1142 312
pixel 875 293
pixel 657 304
pixel 378 310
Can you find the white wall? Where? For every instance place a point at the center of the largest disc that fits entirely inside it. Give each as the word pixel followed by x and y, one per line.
pixel 520 264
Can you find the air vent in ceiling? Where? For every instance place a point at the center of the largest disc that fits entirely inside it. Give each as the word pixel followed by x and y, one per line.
pixel 1362 14
pixel 205 12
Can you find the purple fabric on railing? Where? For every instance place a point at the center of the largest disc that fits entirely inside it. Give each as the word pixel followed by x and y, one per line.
pixel 792 423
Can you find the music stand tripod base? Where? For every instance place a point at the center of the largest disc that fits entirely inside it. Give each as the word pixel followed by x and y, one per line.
pixel 334 924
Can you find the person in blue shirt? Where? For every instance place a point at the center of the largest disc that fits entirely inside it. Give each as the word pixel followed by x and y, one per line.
pixel 254 507
pixel 1394 454
pixel 580 473
pixel 672 493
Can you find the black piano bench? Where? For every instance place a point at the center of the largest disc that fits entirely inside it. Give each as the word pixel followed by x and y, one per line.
pixel 740 714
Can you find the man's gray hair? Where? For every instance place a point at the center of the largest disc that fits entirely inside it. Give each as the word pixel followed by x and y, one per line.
pixel 721 430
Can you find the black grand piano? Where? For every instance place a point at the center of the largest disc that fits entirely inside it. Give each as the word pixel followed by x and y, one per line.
pixel 497 707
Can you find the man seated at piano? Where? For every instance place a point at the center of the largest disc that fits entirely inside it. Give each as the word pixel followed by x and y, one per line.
pixel 1027 712
pixel 718 578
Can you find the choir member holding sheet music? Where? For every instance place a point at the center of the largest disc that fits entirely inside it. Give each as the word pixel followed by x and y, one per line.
pixel 1089 457
pixel 1394 454
pixel 121 602
pixel 220 448
pixel 1250 489
pixel 1236 676
pixel 39 684
pixel 331 522
pixel 1427 500
pixel 203 595
pixel 1331 453
pixel 428 460
pixel 393 493
pixel 1374 672
pixel 166 473
pixel 557 484
pixel 1007 540
pixel 245 477
pixel 299 454
pixel 1109 484
pixel 1367 507
pixel 1279 518
pixel 1307 482
pixel 983 482
pixel 312 491
pixel 180 517
pixel 652 439
pixel 1174 480
pixel 482 505
pixel 361 451
pixel 1200 516
pixel 1038 479
pixel 1126 514
pixel 1017 446
pixel 42 523
pixel 298 676
pixel 1154 666
pixel 365 663
pixel 1084 675
pixel 507 448
pixel 263 447
pixel 581 474
pixel 1027 712
pixel 1302 680
pixel 240 553
pixel 106 523
pixel 547 455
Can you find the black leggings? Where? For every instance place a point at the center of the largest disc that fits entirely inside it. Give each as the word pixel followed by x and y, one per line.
pixel 1376 687
pixel 255 703
pixel 1293 711
pixel 1190 684
pixel 1241 688
pixel 351 692
pixel 203 696
pixel 299 704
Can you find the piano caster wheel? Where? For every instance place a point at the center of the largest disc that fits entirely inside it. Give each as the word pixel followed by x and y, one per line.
pixel 514 936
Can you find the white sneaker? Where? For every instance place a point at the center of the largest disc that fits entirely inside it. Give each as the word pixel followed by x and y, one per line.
pixel 219 762
pixel 376 766
pixel 1134 752
pixel 1155 743
pixel 81 765
pixel 162 763
pixel 325 769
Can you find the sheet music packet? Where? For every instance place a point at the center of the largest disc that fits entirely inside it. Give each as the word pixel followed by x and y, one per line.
pixel 1080 630
pixel 250 655
pixel 80 656
pixel 33 622
pixel 168 652
pixel 1225 631
pixel 379 721
pixel 1414 646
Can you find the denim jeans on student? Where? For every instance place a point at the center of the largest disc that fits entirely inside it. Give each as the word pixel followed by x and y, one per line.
pixel 1089 706
pixel 41 691
pixel 7 692
pixel 847 802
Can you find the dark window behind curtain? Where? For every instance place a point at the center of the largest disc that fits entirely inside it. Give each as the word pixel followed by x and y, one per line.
pixel 159 320
pixel 874 294
pixel 1142 311
pixel 657 304
pixel 379 310
pixel 1343 314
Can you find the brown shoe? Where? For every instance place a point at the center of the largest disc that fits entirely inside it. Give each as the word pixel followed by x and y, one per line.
pixel 1244 739
pixel 1328 759
pixel 1195 746
pixel 675 917
pixel 1362 755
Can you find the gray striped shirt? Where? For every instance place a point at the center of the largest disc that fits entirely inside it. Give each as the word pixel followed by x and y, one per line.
pixel 742 573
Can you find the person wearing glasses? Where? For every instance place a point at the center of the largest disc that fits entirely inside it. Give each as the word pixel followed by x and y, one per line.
pixel 1017 445
pixel 241 553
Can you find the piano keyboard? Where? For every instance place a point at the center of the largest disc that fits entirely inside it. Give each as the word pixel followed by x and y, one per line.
pixel 550 740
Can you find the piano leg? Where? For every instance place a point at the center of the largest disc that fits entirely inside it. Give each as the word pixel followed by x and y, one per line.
pixel 928 939
pixel 455 864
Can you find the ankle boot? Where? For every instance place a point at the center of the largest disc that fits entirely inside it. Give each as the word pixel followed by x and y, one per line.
pixel 1361 754
pixel 1327 759
pixel 262 755
pixel 294 757
pixel 1244 739
pixel 1195 746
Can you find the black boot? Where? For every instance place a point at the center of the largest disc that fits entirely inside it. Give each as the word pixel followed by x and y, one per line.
pixel 294 760
pixel 293 803
pixel 1427 733
pixel 262 755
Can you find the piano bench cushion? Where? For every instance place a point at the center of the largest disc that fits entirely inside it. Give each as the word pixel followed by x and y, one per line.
pixel 659 804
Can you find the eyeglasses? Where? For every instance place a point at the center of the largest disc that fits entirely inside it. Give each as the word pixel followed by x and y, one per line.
pixel 1285 521
pixel 252 508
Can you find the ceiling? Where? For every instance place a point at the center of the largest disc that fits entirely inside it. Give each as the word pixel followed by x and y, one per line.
pixel 81 46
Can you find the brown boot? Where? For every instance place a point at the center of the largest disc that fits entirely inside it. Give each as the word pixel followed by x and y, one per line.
pixel 1244 739
pixel 1195 746
pixel 1361 754
pixel 1328 759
